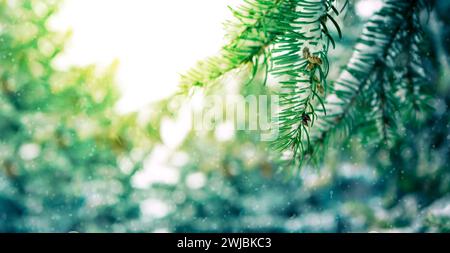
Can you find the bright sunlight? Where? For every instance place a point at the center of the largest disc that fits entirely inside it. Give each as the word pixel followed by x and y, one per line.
pixel 126 30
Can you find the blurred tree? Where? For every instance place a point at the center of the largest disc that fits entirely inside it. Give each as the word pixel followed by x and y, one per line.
pixel 61 142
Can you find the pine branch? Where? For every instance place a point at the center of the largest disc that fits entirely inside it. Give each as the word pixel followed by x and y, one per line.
pixel 365 76
pixel 385 108
pixel 294 36
pixel 259 22
pixel 415 77
pixel 300 60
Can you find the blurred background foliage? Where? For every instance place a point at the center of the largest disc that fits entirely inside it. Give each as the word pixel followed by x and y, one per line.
pixel 69 162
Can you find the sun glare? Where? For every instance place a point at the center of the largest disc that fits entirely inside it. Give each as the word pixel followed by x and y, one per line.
pixel 367 8
pixel 154 41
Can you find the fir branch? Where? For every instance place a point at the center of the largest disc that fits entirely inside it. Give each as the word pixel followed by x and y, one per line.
pixel 259 22
pixel 300 59
pixel 415 78
pixel 365 75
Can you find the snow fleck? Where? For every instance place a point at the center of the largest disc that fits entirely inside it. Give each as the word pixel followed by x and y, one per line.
pixel 29 151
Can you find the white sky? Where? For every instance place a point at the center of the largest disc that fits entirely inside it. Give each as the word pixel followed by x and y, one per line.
pixel 368 7
pixel 154 41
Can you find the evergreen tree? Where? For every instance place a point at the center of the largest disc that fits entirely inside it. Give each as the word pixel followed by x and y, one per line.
pixel 383 86
pixel 378 126
pixel 387 108
pixel 61 142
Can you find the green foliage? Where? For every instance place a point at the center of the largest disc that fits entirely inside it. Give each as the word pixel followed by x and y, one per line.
pixel 69 162
pixel 258 23
pixel 383 107
pixel 60 140
pixel 300 60
pixel 383 80
pixel 292 37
